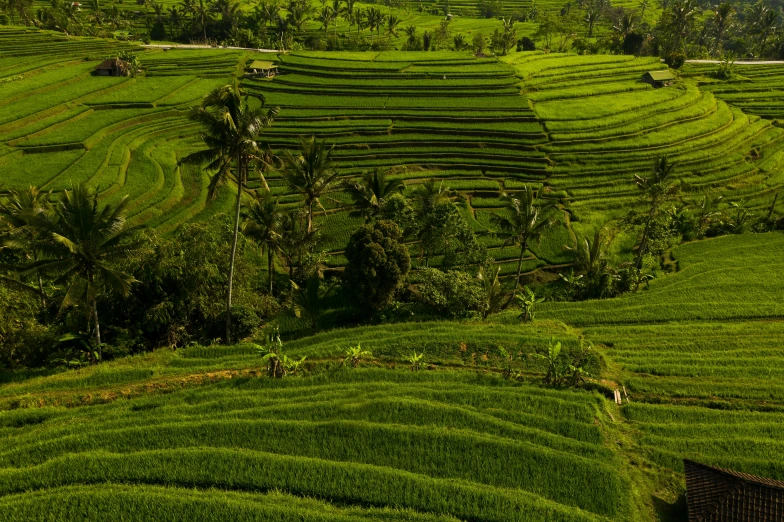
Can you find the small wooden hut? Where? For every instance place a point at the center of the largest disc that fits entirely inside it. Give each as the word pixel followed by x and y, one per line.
pixel 263 68
pixel 720 495
pixel 659 78
pixel 113 67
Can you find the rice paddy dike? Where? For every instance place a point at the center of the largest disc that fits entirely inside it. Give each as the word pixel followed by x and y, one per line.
pixel 201 433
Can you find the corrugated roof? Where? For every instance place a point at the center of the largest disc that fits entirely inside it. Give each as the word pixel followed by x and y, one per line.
pixel 661 76
pixel 721 495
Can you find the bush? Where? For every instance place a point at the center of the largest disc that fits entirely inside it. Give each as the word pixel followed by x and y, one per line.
pixel 526 44
pixel 452 293
pixel 675 60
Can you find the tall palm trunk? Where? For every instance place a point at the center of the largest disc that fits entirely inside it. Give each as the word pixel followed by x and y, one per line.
pixel 94 314
pixel 269 268
pixel 240 178
pixel 310 217
pixel 523 248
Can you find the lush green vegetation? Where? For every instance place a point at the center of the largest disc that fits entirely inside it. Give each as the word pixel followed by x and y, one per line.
pixel 435 273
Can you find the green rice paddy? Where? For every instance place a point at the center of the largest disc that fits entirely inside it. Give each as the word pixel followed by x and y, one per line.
pixel 202 433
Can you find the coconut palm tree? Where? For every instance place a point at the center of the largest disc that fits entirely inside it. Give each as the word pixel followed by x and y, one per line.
pixel 15 211
pixel 263 221
pixel 294 239
pixel 525 219
pixel 430 194
pixel 231 128
pixel 326 16
pixel 392 26
pixel 311 173
pixel 79 241
pixel 369 193
pixel 656 190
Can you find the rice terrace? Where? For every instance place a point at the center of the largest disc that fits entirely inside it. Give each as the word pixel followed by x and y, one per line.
pixel 325 260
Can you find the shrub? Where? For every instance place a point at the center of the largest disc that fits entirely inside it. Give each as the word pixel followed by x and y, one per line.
pixel 526 44
pixel 675 60
pixel 452 293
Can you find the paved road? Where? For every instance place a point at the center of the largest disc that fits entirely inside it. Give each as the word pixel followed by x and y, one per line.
pixel 199 46
pixel 745 62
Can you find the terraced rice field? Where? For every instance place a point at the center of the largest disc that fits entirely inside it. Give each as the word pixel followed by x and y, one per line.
pixel 61 125
pixel 757 89
pixel 367 443
pixel 579 126
pixel 423 115
pixel 605 125
pixel 701 355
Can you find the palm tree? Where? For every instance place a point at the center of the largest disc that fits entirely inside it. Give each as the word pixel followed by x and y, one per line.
pixel 430 194
pixel 80 241
pixel 392 24
pixel 308 301
pixel 326 16
pixel 375 19
pixel 369 193
pixel 231 128
pixel 310 172
pixel 348 12
pixel 294 240
pixel 525 219
pixel 201 17
pixel 15 211
pixel 656 189
pixel 721 22
pixel 263 225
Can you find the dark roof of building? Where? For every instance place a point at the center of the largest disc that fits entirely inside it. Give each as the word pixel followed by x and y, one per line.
pixel 721 495
pixel 112 63
pixel 661 76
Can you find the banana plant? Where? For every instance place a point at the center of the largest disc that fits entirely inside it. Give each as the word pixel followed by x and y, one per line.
pixel 556 369
pixel 355 354
pixel 415 360
pixel 527 301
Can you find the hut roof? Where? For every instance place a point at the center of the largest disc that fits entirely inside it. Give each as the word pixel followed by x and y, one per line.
pixel 661 76
pixel 721 495
pixel 262 64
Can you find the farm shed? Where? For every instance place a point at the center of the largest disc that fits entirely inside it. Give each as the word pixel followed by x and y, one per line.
pixel 658 78
pixel 720 495
pixel 113 67
pixel 263 68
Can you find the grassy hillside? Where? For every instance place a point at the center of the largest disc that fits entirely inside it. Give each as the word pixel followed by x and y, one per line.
pixel 203 432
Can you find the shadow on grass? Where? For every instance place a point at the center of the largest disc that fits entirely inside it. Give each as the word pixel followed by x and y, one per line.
pixel 672 512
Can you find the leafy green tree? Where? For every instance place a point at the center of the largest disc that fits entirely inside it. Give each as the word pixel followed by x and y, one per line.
pixel 310 173
pixel 397 209
pixel 377 264
pixel 263 223
pixel 452 293
pixel 445 231
pixel 231 130
pixel 370 192
pixel 80 241
pixel 524 219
